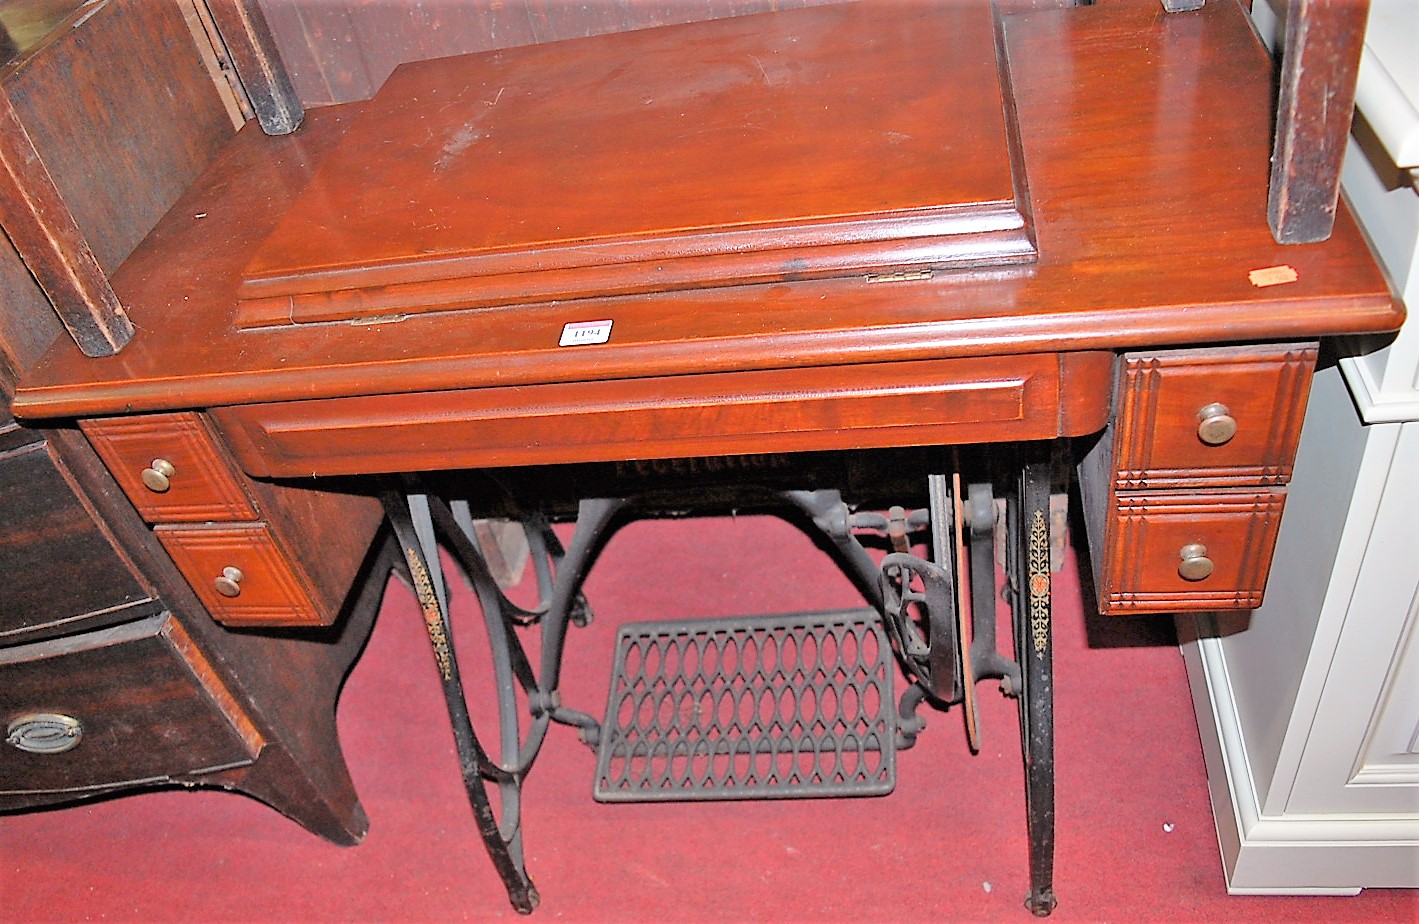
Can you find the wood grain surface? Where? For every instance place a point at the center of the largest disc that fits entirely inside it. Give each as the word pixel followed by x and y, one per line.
pixel 1149 208
pixel 828 141
pixel 969 400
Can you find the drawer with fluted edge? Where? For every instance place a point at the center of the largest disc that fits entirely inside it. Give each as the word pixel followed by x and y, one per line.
pixel 1226 416
pixel 171 467
pixel 1171 552
pixel 243 577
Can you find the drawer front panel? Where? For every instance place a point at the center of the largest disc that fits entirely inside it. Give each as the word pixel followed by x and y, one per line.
pixel 264 590
pixel 130 704
pixel 56 561
pixel 851 407
pixel 1221 416
pixel 170 467
pixel 12 435
pixel 1156 545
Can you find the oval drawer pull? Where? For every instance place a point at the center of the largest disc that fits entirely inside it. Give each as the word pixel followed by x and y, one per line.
pixel 158 476
pixel 1195 564
pixel 1216 425
pixel 44 733
pixel 228 583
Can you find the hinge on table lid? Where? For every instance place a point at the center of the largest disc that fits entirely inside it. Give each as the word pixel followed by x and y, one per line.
pixel 902 276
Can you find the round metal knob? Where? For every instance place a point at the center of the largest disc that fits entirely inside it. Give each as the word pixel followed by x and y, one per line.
pixel 228 584
pixel 1195 564
pixel 1216 424
pixel 157 477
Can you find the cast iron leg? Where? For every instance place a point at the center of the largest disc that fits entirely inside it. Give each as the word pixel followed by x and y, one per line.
pixel 1030 587
pixel 413 525
pixel 832 518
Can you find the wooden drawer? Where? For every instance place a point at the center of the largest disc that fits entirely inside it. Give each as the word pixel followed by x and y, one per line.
pixel 1200 447
pixel 242 576
pixel 134 703
pixel 297 549
pixel 170 466
pixel 57 563
pixel 1217 416
pixel 1150 535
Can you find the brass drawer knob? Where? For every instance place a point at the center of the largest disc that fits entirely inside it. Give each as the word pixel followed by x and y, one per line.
pixel 1216 425
pixel 1195 564
pixel 229 582
pixel 158 476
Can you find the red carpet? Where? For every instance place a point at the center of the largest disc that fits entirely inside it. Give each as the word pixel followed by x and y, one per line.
pixel 1135 842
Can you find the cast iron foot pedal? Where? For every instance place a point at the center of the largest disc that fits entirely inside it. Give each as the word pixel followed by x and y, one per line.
pixel 762 707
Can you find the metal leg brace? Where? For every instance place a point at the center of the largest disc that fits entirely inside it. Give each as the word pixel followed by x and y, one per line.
pixel 423 524
pixel 413 526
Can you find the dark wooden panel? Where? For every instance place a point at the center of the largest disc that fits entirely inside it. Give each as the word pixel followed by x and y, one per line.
pixel 28 325
pixel 148 703
pixel 342 50
pixel 56 559
pixel 244 32
pixel 42 229
pixel 1320 61
pixel 301 771
pixel 125 116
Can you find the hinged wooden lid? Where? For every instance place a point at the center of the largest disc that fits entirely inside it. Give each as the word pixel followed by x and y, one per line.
pixel 828 141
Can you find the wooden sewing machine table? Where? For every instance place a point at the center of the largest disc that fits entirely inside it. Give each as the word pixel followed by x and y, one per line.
pixel 835 229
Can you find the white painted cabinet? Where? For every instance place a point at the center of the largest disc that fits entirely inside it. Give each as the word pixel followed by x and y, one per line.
pixel 1309 706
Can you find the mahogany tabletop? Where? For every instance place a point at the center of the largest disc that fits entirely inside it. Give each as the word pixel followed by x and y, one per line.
pixel 1144 141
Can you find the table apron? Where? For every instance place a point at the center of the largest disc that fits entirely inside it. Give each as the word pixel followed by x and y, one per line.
pixel 927 402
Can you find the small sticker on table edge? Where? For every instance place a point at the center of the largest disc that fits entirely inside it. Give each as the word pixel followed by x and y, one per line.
pixel 581 333
pixel 1272 276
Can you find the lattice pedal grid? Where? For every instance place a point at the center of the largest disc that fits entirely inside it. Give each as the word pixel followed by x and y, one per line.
pixel 759 707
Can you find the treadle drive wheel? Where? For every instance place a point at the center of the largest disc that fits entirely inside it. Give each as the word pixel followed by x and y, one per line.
pixel 922 608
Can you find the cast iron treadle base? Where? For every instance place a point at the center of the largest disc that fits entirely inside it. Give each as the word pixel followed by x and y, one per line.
pixel 759 707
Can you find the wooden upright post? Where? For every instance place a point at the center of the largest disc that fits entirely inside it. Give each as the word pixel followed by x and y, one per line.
pixel 1320 59
pixel 49 241
pixel 247 36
